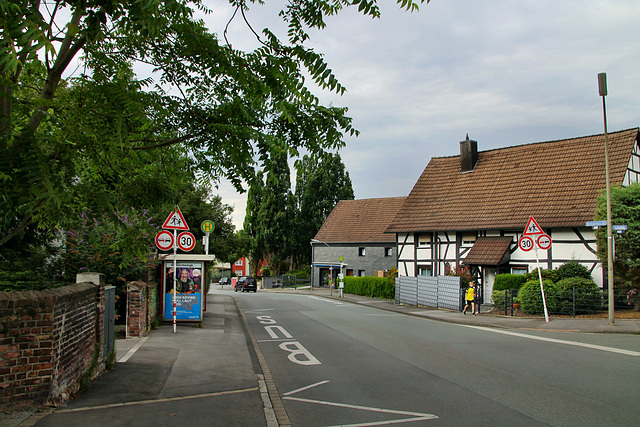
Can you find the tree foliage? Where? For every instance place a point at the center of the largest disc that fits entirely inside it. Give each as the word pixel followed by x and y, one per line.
pixel 321 182
pixel 227 108
pixel 625 209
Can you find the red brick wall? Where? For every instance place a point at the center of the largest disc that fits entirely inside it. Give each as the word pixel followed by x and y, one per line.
pixel 142 307
pixel 47 341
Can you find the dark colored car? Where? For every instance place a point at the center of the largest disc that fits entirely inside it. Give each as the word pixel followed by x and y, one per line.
pixel 246 283
pixel 225 281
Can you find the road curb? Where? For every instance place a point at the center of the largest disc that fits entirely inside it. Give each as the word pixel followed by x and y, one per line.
pixel 274 406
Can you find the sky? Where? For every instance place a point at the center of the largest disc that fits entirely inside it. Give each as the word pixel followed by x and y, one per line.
pixel 504 72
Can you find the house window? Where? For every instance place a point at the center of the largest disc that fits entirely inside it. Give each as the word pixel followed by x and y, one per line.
pixel 361 273
pixel 468 237
pixel 388 252
pixel 361 251
pixel 239 262
pixel 424 271
pixel 424 240
pixel 239 272
pixel 349 272
pixel 519 270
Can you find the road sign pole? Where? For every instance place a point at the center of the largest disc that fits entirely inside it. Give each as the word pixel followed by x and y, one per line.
pixel 544 300
pixel 175 273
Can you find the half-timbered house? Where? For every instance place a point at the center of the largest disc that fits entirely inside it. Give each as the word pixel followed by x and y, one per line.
pixel 471 209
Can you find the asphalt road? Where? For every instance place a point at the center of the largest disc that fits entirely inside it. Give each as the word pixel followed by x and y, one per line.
pixel 336 363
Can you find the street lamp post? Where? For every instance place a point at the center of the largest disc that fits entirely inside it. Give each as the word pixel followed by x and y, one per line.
pixel 330 265
pixel 602 89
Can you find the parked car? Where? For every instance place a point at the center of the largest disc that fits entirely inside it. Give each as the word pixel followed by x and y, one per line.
pixel 225 281
pixel 246 283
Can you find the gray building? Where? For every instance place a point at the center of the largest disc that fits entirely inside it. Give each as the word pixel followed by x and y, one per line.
pixel 352 240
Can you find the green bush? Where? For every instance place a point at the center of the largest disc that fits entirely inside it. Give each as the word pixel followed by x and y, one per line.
pixel 530 296
pixel 505 282
pixel 508 281
pixel 573 269
pixel 368 286
pixel 546 274
pixel 588 295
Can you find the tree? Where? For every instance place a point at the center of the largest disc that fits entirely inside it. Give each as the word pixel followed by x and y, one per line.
pixel 321 182
pixel 625 209
pixel 276 214
pixel 226 107
pixel 251 225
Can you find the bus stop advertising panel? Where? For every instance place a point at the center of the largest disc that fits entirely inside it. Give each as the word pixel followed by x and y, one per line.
pixel 189 291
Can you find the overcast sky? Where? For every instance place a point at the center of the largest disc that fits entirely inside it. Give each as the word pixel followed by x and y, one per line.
pixel 506 72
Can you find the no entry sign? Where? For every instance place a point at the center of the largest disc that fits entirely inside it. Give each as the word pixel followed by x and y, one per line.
pixel 164 240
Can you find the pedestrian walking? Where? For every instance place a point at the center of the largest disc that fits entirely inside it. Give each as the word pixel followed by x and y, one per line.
pixel 470 298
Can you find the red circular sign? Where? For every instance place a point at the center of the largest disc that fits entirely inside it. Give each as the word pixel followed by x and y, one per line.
pixel 164 240
pixel 544 241
pixel 525 243
pixel 186 241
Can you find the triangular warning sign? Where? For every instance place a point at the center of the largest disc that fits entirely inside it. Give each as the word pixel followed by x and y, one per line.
pixel 532 228
pixel 175 221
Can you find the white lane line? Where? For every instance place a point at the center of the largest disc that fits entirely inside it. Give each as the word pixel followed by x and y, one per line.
pixel 326 300
pixel 306 388
pixel 132 350
pixel 387 422
pixel 365 408
pixel 384 314
pixel 557 341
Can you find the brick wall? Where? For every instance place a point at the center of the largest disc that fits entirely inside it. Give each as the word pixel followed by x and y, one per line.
pixel 47 341
pixel 142 307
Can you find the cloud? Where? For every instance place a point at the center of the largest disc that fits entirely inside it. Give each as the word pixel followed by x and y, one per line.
pixel 505 72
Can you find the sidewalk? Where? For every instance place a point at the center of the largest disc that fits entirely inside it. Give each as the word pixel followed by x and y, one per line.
pixel 483 319
pixel 192 376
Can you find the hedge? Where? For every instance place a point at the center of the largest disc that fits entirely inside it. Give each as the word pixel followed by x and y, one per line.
pixel 369 286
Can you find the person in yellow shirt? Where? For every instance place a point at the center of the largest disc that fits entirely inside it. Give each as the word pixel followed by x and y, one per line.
pixel 470 298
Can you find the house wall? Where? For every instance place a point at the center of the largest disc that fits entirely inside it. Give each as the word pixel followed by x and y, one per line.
pixel 373 260
pixel 449 248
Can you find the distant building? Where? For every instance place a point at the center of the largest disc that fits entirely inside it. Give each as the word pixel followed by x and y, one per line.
pixel 353 240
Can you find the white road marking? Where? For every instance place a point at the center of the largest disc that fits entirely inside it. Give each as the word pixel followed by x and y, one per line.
pixel 557 341
pixel 417 415
pixel 305 388
pixel 414 416
pixel 132 350
pixel 326 300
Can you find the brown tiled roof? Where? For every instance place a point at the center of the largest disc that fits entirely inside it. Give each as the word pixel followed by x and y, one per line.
pixel 556 182
pixel 362 220
pixel 488 251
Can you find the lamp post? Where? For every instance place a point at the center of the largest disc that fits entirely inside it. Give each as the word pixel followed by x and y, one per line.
pixel 330 265
pixel 602 89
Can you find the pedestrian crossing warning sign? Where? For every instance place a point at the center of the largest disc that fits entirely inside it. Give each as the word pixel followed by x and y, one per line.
pixel 175 221
pixel 532 228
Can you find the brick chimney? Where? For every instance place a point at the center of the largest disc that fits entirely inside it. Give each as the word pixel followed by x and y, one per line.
pixel 468 155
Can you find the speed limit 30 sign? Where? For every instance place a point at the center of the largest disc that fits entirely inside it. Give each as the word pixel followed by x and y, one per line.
pixel 186 241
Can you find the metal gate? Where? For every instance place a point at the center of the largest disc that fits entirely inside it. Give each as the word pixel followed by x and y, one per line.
pixel 436 292
pixel 109 319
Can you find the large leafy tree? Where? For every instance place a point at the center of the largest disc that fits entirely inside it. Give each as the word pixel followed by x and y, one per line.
pixel 321 182
pixel 276 213
pixel 625 209
pixel 225 107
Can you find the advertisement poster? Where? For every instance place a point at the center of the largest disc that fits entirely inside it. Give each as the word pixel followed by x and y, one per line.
pixel 189 291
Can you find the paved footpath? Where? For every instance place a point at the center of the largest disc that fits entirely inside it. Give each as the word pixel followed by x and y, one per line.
pixel 199 376
pixel 213 375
